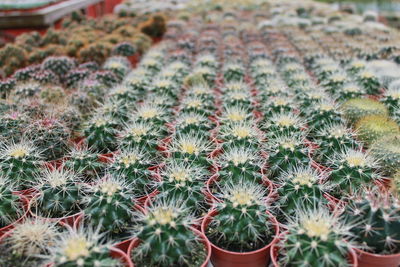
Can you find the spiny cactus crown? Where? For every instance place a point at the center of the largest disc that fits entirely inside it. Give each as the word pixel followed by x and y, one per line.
pixel 101 132
pixel 85 161
pixel 241 134
pixel 235 114
pixel 139 134
pixel 192 123
pixel 120 66
pixel 10 206
pixel 387 151
pixel 151 113
pixel 284 123
pixel 372 128
pixel 355 109
pixel 191 147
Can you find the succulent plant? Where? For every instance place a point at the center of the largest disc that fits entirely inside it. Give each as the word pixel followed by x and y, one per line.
pixel 125 49
pixel 387 151
pixel 137 83
pixel 29 239
pixel 12 123
pixel 166 237
pixel 193 104
pixel 105 77
pixel 20 162
pixel 351 169
pixel 100 133
pixel 284 124
pixel 238 98
pixel 335 82
pixel 60 193
pixel 151 113
pixel 240 134
pixel 83 160
pixel 193 123
pixel 354 109
pixel 373 217
pixel 81 247
pixel 12 57
pixel 119 65
pixel 242 223
pixel 234 114
pixel 349 91
pixel 140 135
pixel 122 93
pixel 278 104
pixel 53 94
pixel 370 82
pixel 10 204
pixel 25 74
pixel 96 51
pixel 26 90
pixel 109 205
pixel 285 153
pixel 316 237
pixel 59 65
pixel 6 86
pixel 323 113
pixel 391 99
pixel 76 76
pixel 374 127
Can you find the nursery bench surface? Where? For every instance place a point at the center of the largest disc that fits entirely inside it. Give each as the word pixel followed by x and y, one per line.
pixel 42 17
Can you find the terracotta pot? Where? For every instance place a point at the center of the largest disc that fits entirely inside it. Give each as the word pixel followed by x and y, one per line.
pixel 25 203
pixel 275 253
pixel 224 258
pixel 204 239
pixel 366 259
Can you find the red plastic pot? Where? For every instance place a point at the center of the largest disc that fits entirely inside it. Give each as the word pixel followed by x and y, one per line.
pixel 224 258
pixel 275 253
pixel 366 259
pixel 106 158
pixel 27 193
pixel 121 256
pixel 25 203
pixel 136 242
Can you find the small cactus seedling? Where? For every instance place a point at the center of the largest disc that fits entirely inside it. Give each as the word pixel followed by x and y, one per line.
pixel 81 247
pixel 151 113
pixel 242 223
pixel 12 124
pixel 141 135
pixel 285 153
pixel 369 82
pixel 202 91
pixel 118 110
pixel 132 165
pixel 191 148
pixel 166 237
pixel 197 105
pixel 243 134
pixel 284 124
pixel 10 206
pixel 391 99
pixel 356 66
pixel 182 180
pixel 193 123
pixel 323 113
pixel 355 109
pixel 238 98
pixel 278 104
pixel 300 186
pixel 316 237
pixel 122 93
pixel 351 170
pixel 125 49
pixel 387 151
pixel 335 82
pixel 137 83
pixel 20 162
pixel 106 78
pixel 60 194
pixel 101 133
pixel 372 128
pixel 207 60
pixel 109 205
pixel 120 66
pixel 333 138
pixel 234 114
pixel 75 76
pixel 207 73
pixel 240 163
pixel 349 91
pixel 27 242
pixel 59 65
pixel 374 217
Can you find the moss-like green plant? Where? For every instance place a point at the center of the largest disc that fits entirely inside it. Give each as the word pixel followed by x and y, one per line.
pixel 374 127
pixel 355 109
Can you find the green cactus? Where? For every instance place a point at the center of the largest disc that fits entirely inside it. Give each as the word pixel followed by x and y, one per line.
pixel 335 82
pixel 60 193
pixel 395 184
pixel 6 86
pixel 109 205
pixel 207 73
pixel 234 114
pixel 240 134
pixel 151 113
pixel 285 153
pixel 12 57
pixel 243 207
pixel 10 205
pixel 391 99
pixel 25 90
pixel 76 76
pixel 278 104
pixel 12 124
pixel 59 65
pixel 123 94
pixel 193 122
pixel 141 135
pixel 369 82
pixel 193 104
pixel 374 220
pixel 125 49
pixel 284 124
pixel 119 65
pixel 238 98
pixel 53 94
pixel 28 241
pixel 322 114
pixel 207 60
pixel 100 133
pixel 374 127
pixel 351 169
pixel 25 74
pixel 354 109
pixel 137 83
pixel 315 237
pixel 105 77
pixel 349 91
pixel 20 162
pixel 164 86
pixel 81 247
pixel 202 91
pixel 356 66
pixel 387 151
pixel 166 237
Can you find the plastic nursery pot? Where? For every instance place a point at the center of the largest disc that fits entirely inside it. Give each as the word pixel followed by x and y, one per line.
pixel 25 203
pixel 121 256
pixel 136 242
pixel 27 193
pixel 106 158
pixel 224 258
pixel 366 259
pixel 275 254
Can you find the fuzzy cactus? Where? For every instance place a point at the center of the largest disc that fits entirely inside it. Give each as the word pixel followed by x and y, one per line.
pixel 59 65
pixel 60 193
pixel 374 217
pixel 10 205
pixel 101 133
pixel 316 237
pixel 192 104
pixel 352 169
pixel 109 205
pixel 20 162
pixel 27 243
pixel 233 72
pixel 234 114
pixel 243 207
pixel 387 151
pixel 374 127
pixel 285 153
pixel 151 113
pixel 165 86
pixel 354 109
pixel 81 247
pixel 166 237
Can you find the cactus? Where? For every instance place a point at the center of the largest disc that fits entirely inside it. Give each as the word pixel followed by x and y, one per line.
pixel 322 114
pixel 354 109
pixel 387 151
pixel 166 237
pixel 125 49
pixel 278 104
pixel 165 87
pixel 50 135
pixel 369 82
pixel 286 152
pixel 20 162
pixel 12 124
pixel 193 123
pixel 45 77
pixel 6 86
pixel 182 180
pixel 60 193
pixel 391 99
pixel 372 128
pixel 374 217
pixel 301 186
pixel 316 237
pixel 240 134
pixel 100 133
pixel 12 57
pixel 59 65
pixel 105 77
pixel 349 91
pixel 122 93
pixel 207 73
pixel 333 138
pixel 26 242
pixel 395 184
pixel 81 247
pixel 192 104
pixel 140 135
pixel 335 82
pixel 234 114
pixel 202 91
pixel 109 205
pixel 117 110
pixel 233 72
pixel 26 90
pixel 284 124
pixel 207 60
pixel 151 113
pixel 53 94
pixel 138 84
pixel 238 98
pixel 10 205
pixel 351 169
pixel 76 76
pixel 25 74
pixel 97 52
pixel 119 65
pixel 132 165
pixel 240 163
pixel 242 207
